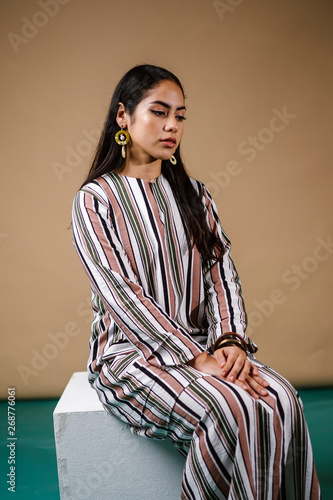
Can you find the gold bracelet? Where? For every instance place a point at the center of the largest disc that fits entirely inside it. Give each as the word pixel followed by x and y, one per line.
pixel 233 341
pixel 230 339
pixel 234 337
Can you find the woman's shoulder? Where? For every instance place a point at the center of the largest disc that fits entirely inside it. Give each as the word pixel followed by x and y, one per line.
pixel 99 188
pixel 95 196
pixel 201 188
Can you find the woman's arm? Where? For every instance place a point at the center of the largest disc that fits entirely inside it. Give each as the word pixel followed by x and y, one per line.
pixel 155 335
pixel 225 309
pixel 225 312
pixel 231 364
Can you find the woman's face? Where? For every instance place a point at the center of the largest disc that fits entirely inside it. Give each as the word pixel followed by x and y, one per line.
pixel 156 126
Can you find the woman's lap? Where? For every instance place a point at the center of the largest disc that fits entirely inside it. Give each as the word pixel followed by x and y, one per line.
pixel 146 397
pixel 228 436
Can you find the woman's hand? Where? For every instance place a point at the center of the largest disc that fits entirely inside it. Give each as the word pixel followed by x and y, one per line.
pixel 231 364
pixel 236 368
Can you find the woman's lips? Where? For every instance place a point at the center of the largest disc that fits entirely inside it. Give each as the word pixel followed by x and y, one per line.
pixel 169 143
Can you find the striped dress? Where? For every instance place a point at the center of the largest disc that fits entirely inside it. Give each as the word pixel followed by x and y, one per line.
pixel 156 306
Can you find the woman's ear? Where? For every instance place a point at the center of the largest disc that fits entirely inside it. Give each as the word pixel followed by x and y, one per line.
pixel 121 115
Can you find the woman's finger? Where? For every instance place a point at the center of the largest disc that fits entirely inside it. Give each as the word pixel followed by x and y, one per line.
pixel 238 360
pixel 247 388
pixel 255 374
pixel 220 357
pixel 256 386
pixel 230 355
pixel 245 371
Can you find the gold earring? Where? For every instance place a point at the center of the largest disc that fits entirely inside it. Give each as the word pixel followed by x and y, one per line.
pixel 173 160
pixel 122 138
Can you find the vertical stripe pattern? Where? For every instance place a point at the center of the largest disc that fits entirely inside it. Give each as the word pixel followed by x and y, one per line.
pixel 155 307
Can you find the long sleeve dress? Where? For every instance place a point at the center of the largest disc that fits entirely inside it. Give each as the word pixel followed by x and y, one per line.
pixel 156 306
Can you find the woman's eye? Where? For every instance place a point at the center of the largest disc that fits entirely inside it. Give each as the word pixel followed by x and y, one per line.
pixel 161 113
pixel 157 112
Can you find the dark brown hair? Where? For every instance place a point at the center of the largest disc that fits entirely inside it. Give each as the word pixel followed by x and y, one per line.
pixel 131 89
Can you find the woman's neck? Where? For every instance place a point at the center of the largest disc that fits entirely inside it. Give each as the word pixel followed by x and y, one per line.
pixel 141 171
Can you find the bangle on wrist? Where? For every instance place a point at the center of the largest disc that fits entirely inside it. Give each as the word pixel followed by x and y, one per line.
pixel 229 343
pixel 233 338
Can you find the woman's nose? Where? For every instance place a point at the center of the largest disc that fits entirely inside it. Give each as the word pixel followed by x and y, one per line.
pixel 171 124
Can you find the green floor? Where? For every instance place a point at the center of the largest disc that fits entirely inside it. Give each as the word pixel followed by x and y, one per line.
pixel 36 469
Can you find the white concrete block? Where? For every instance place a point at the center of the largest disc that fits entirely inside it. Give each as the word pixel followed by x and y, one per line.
pixel 99 458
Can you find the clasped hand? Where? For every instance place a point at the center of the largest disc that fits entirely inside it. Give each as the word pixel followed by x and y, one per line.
pixel 231 364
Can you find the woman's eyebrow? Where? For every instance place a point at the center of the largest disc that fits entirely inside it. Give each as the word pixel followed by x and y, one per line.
pixel 167 105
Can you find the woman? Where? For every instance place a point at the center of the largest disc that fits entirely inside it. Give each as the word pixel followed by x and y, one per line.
pixel 169 354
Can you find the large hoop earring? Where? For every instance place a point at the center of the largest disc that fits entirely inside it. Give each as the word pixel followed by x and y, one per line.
pixel 122 138
pixel 173 160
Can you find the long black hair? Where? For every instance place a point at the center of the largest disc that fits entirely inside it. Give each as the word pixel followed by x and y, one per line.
pixel 131 89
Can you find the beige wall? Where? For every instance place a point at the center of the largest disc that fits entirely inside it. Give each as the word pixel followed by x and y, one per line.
pixel 243 65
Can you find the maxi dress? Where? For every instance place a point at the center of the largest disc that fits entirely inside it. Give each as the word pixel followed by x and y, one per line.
pixel 156 306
